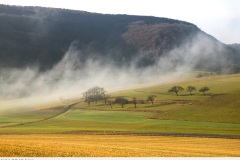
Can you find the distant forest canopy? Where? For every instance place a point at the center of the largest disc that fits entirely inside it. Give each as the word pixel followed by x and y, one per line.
pixel 37 36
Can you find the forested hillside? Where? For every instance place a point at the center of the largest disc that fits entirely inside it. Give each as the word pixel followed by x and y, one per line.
pixel 35 36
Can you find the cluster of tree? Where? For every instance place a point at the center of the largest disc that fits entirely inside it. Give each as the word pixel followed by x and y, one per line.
pixel 122 101
pixel 143 36
pixel 190 89
pixel 96 94
pixel 200 75
pixel 232 69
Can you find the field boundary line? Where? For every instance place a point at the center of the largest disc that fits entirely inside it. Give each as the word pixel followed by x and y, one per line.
pixel 153 134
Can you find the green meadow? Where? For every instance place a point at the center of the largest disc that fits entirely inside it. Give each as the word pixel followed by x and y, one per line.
pixel 216 113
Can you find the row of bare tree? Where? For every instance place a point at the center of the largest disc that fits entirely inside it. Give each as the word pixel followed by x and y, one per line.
pixel 96 94
pixel 190 89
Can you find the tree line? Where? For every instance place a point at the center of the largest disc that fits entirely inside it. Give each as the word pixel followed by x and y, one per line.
pixel 96 94
pixel 190 89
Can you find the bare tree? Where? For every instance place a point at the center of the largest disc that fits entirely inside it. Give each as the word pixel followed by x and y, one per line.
pixel 151 98
pixel 203 90
pixel 87 97
pixel 106 97
pixel 94 94
pixel 176 89
pixel 122 101
pixel 134 101
pixel 110 102
pixel 190 89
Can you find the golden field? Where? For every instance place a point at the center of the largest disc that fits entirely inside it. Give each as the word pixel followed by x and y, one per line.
pixel 71 145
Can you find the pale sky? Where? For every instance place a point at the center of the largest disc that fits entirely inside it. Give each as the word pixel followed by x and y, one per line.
pixel 219 18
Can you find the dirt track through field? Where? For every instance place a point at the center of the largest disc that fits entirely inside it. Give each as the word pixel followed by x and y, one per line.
pixel 124 133
pixel 54 116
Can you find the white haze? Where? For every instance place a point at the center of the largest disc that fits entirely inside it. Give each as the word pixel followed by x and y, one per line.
pixel 66 79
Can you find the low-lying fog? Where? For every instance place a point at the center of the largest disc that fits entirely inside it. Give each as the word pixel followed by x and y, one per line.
pixel 66 79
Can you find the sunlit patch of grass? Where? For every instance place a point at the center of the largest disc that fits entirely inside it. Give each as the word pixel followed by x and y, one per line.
pixel 216 113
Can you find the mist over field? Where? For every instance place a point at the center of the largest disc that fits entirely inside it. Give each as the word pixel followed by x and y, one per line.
pixel 72 76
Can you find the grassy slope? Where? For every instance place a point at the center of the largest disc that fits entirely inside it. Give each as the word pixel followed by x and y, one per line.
pixel 216 113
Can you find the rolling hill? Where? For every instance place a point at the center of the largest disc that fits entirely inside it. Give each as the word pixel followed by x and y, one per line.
pixel 216 114
pixel 184 125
